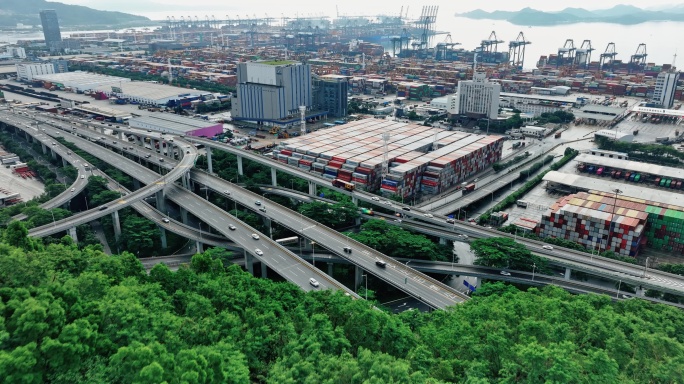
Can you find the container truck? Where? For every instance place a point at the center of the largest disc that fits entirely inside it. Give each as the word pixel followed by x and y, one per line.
pixel 469 188
pixel 343 184
pixel 557 135
pixel 662 139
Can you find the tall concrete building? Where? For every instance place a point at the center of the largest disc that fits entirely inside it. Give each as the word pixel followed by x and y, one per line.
pixel 665 87
pixel 330 94
pixel 272 91
pixel 53 37
pixel 477 98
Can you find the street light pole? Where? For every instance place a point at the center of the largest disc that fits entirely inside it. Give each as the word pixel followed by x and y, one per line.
pixel 534 266
pixel 617 295
pixel 645 266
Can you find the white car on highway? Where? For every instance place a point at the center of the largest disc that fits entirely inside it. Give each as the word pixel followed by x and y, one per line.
pixel 314 282
pixel 258 252
pixel 255 236
pixel 547 247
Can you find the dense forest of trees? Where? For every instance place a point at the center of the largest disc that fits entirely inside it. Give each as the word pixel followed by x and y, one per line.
pixel 80 316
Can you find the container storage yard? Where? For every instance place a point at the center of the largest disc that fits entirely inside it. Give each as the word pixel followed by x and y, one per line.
pixel 420 159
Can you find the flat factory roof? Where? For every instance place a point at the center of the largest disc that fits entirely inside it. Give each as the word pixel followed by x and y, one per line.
pixel 173 122
pixel 82 80
pixel 558 99
pixel 152 91
pixel 608 185
pixel 101 110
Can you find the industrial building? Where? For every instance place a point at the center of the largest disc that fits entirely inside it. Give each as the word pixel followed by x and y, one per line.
pixel 330 94
pixel 29 72
pixel 418 158
pixel 81 81
pixel 13 52
pixel 272 92
pixel 535 105
pixel 476 98
pixel 153 94
pixel 665 87
pixel 141 92
pixel 50 23
pixel 632 171
pixel 177 125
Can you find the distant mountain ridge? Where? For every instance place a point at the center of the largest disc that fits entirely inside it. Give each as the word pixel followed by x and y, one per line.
pixel 619 14
pixel 26 12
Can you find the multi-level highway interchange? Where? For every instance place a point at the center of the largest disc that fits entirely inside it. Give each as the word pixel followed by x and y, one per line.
pixel 178 174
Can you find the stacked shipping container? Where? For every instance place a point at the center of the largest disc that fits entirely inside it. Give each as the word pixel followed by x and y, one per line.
pixel 597 221
pixel 354 153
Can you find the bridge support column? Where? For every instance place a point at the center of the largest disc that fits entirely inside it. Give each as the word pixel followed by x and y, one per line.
pixel 121 136
pixel 442 241
pixel 199 246
pixel 264 270
pixel 274 178
pixel 358 277
pixel 44 148
pixel 53 153
pixel 249 262
pixel 568 271
pixel 162 236
pixel 239 161
pixel 184 215
pixel 312 189
pixel 72 233
pixel 184 180
pixel 160 200
pixel 355 200
pixel 136 184
pixel 267 221
pixel 64 162
pixel 117 224
pixel 209 163
pixel 330 269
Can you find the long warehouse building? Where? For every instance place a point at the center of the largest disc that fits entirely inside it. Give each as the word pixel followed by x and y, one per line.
pixel 419 159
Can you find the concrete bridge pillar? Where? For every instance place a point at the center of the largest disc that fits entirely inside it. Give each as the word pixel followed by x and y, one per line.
pixel 64 162
pixel 264 270
pixel 199 246
pixel 442 241
pixel 72 233
pixel 358 277
pixel 117 224
pixel 312 188
pixel 239 162
pixel 568 271
pixel 184 215
pixel 121 136
pixel 330 269
pixel 249 262
pixel 274 178
pixel 209 163
pixel 355 200
pixel 26 135
pixel 53 153
pixel 44 148
pixel 162 236
pixel 160 200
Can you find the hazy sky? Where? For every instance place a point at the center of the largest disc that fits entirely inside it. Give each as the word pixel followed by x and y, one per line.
pixel 356 7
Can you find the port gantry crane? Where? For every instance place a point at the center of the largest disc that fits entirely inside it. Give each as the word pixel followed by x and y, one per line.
pixel 637 61
pixel 516 51
pixel 608 56
pixel 566 53
pixel 583 55
pixel 489 47
pixel 443 48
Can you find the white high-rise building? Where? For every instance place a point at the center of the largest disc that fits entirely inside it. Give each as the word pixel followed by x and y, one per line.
pixel 476 98
pixel 665 87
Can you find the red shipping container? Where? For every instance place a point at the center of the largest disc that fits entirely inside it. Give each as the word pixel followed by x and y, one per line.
pixel 334 164
pixel 286 152
pixel 339 159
